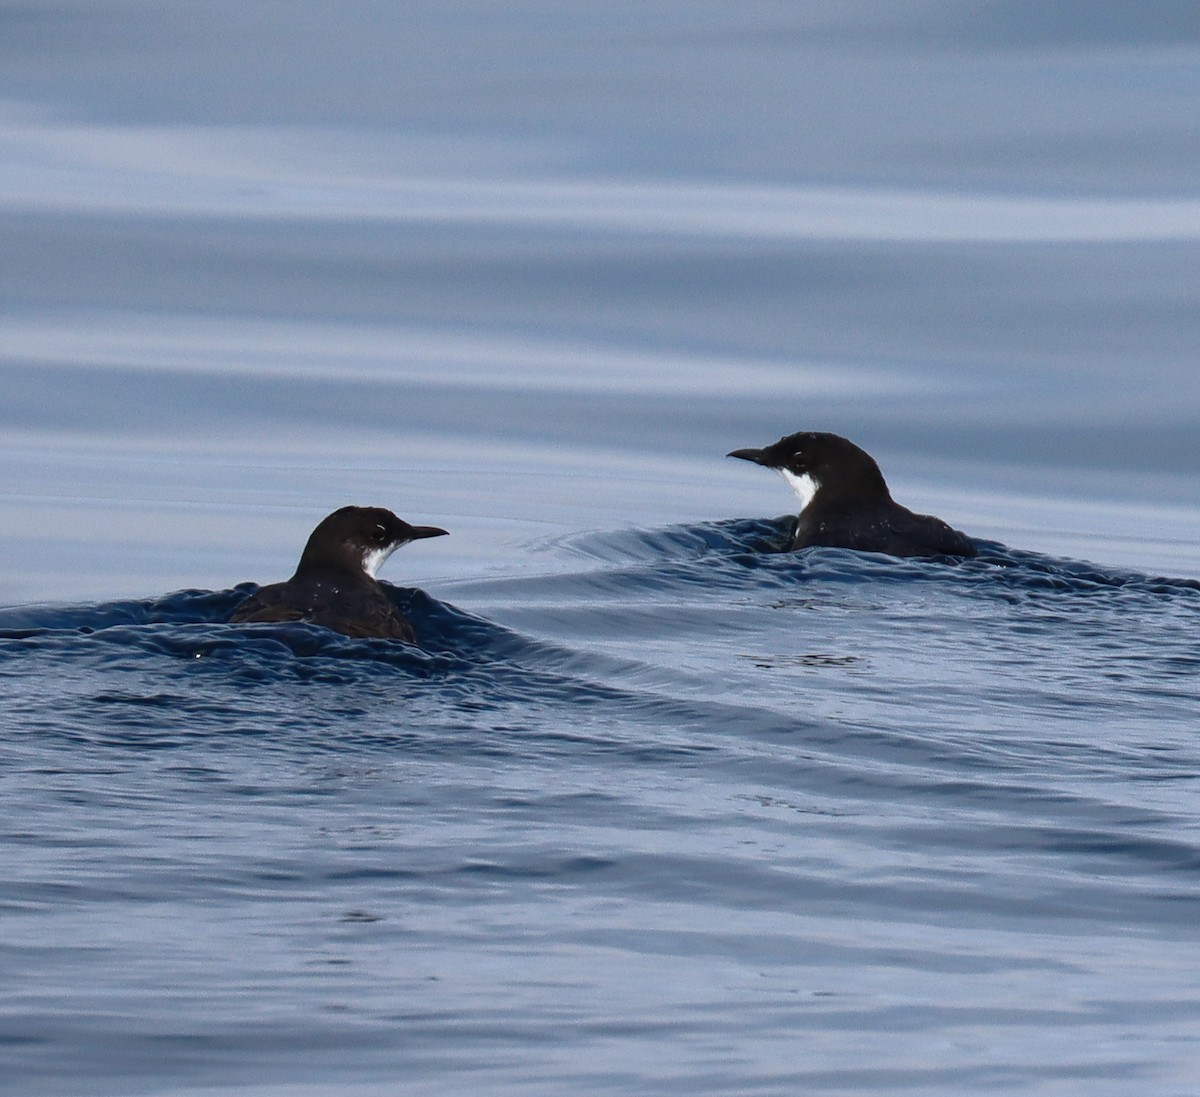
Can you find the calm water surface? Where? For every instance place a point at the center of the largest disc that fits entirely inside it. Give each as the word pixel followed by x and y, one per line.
pixel 653 807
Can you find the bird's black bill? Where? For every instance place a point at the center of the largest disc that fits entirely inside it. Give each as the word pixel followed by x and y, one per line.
pixel 417 532
pixel 755 455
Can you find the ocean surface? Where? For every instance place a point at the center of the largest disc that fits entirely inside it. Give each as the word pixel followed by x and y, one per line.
pixel 652 807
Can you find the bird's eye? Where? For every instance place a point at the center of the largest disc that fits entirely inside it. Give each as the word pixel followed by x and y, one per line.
pixel 379 535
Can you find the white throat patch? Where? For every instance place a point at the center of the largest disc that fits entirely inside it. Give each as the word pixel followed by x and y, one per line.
pixel 803 485
pixel 373 559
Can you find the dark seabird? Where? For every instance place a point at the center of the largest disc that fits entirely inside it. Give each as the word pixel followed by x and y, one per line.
pixel 335 584
pixel 845 502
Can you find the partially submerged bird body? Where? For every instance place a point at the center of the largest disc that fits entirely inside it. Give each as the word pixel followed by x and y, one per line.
pixel 334 585
pixel 351 608
pixel 845 502
pixel 895 530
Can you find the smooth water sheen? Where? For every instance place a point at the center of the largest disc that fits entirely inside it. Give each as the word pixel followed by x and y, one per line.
pixel 653 808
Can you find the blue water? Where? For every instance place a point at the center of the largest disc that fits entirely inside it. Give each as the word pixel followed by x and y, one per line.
pixel 653 808
pixel 728 813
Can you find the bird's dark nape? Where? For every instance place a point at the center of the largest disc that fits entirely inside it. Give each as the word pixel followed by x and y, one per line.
pixel 845 501
pixel 334 584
